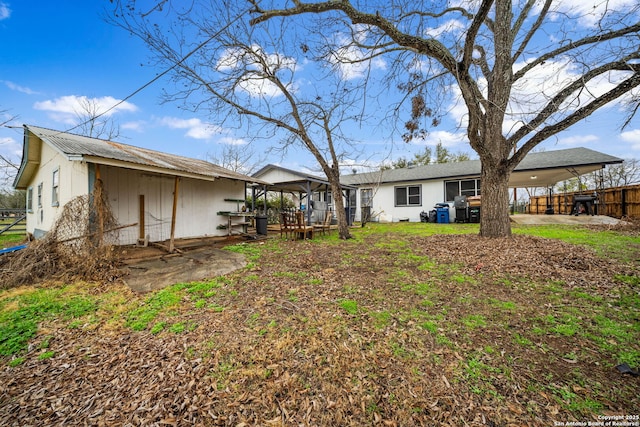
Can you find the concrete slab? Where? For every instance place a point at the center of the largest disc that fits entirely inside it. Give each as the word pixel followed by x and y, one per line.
pixel 198 264
pixel 563 219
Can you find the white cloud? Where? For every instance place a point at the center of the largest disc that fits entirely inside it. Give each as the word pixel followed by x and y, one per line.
pixel 447 139
pixel 452 26
pixel 351 61
pixel 5 12
pixel 228 140
pixel 136 126
pixel 19 88
pixel 257 87
pixel 10 148
pixel 632 137
pixel 196 128
pixel 589 13
pixel 67 109
pixel 577 140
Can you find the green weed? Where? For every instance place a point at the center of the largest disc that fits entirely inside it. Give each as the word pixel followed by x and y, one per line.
pixel 16 362
pixel 158 327
pixel 18 326
pixel 474 321
pixel 350 306
pixel 381 319
pixel 46 355
pixel 430 326
pixel 160 302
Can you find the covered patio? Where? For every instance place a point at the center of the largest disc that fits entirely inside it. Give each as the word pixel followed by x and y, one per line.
pixel 310 194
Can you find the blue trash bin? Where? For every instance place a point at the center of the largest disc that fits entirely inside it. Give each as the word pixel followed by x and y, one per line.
pixel 442 215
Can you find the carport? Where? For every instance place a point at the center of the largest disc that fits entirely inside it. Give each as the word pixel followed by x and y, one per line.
pixel 546 169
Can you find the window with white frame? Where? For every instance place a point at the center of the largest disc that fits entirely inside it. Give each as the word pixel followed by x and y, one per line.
pixel 410 195
pixel 463 187
pixel 40 195
pixel 55 186
pixel 30 199
pixel 366 197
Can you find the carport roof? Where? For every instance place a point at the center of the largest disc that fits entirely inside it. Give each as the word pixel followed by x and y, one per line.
pixel 541 169
pixel 298 181
pixel 100 151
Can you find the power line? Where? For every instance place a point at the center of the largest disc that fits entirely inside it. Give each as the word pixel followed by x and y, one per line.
pixel 156 78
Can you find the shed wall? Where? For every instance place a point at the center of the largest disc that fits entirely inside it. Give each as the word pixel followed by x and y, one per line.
pixel 73 182
pixel 196 211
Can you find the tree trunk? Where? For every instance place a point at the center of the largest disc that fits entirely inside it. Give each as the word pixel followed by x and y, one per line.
pixel 336 193
pixel 494 213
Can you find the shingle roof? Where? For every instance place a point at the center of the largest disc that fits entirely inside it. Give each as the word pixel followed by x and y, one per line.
pixel 77 147
pixel 568 158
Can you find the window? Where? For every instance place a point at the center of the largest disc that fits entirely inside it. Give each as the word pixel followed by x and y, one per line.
pixel 55 200
pixel 322 196
pixel 40 195
pixel 366 197
pixel 408 196
pixel 467 187
pixel 30 199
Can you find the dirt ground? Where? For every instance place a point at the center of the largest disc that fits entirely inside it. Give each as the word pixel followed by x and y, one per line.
pixel 193 265
pixel 280 346
pixel 151 268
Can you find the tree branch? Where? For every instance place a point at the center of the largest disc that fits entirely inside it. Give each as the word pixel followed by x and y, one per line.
pixel 534 28
pixel 430 47
pixel 574 45
pixel 472 32
pixel 555 103
pixel 581 113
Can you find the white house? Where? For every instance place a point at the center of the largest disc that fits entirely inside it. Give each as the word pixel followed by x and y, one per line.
pixel 402 194
pixel 164 196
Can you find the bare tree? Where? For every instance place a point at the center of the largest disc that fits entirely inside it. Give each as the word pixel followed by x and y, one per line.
pixel 93 122
pixel 242 75
pixel 625 173
pixel 493 53
pixel 238 158
pixel 8 166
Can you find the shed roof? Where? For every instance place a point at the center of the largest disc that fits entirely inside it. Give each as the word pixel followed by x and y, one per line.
pixel 536 169
pixel 101 151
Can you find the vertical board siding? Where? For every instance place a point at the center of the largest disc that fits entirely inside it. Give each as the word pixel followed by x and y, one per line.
pixel 197 207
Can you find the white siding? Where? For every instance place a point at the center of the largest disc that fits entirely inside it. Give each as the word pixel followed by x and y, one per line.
pixel 73 181
pixel 383 204
pixel 196 211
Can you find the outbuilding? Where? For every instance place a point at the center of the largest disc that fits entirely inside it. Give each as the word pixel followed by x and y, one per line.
pixel 160 196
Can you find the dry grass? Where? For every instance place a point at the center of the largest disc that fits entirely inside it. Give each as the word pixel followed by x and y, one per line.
pixel 387 329
pixel 77 246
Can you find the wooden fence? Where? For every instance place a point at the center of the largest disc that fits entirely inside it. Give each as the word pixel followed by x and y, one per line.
pixel 13 221
pixel 616 202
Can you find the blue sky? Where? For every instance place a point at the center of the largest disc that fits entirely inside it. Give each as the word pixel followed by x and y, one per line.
pixel 56 53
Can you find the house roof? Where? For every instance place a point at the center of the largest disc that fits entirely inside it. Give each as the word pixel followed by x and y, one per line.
pixel 272 167
pixel 536 169
pixel 100 151
pixel 295 181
